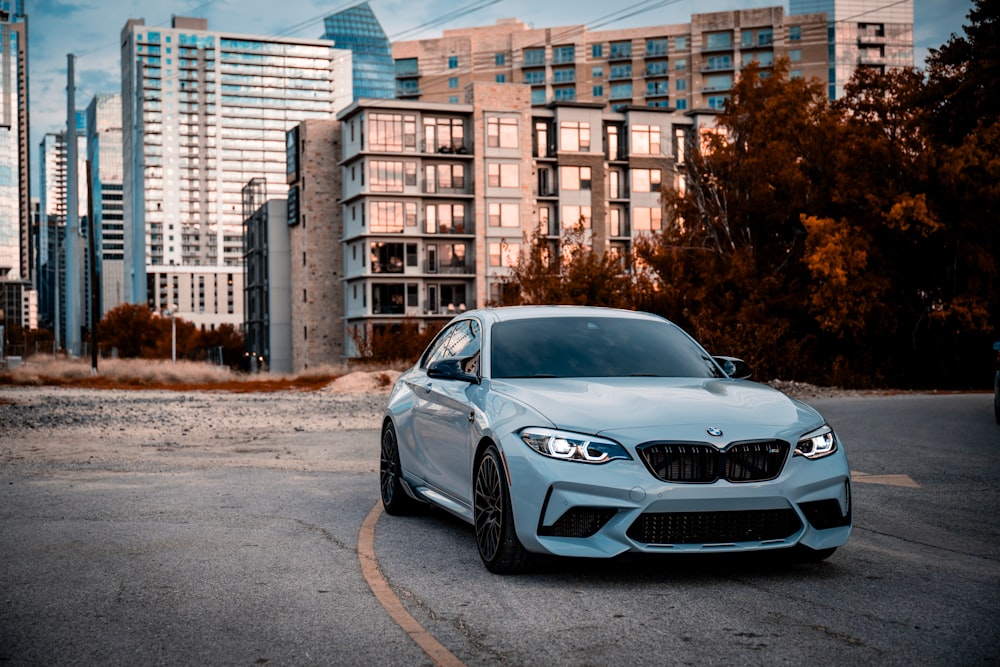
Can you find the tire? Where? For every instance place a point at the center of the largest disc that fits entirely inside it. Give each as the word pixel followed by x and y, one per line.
pixel 395 500
pixel 501 551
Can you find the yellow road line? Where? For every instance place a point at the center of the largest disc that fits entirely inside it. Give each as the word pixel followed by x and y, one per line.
pixel 434 649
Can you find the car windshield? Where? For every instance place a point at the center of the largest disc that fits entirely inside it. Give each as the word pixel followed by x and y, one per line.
pixel 595 347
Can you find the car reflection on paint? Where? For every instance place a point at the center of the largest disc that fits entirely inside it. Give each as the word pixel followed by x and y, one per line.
pixel 590 432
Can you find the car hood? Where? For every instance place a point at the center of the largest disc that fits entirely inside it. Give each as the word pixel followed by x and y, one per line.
pixel 645 408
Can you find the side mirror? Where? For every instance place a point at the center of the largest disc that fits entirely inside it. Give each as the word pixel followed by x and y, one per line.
pixel 452 369
pixel 734 368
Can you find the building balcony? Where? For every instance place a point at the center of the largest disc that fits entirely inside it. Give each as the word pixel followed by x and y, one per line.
pixel 719 48
pixel 411 73
pixel 719 67
pixel 617 54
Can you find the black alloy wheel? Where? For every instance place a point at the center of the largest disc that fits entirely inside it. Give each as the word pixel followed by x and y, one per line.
pixel 394 497
pixel 499 547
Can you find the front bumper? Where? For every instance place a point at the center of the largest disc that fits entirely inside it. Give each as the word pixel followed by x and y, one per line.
pixel 576 509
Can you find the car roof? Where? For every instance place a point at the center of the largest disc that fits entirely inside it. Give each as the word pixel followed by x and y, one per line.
pixel 507 313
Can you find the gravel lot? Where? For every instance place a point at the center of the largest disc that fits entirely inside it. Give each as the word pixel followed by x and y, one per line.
pixel 137 429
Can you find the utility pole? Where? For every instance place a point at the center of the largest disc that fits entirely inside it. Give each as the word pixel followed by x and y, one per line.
pixel 92 243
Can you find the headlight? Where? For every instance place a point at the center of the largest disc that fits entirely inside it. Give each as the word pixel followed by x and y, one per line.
pixel 817 444
pixel 572 446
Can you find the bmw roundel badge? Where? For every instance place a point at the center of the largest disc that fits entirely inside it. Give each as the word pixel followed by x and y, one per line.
pixel 714 432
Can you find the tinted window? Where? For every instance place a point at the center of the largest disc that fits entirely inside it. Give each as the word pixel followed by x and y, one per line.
pixel 595 347
pixel 460 340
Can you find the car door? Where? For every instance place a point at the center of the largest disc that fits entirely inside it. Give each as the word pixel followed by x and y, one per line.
pixel 441 415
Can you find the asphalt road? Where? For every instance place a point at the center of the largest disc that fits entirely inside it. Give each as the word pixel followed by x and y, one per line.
pixel 163 564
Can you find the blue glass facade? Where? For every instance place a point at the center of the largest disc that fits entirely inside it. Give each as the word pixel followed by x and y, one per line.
pixel 357 29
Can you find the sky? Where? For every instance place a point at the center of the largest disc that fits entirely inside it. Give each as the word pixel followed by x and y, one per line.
pixel 91 30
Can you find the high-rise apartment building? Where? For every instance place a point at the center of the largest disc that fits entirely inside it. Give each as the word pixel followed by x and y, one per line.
pixel 685 66
pixel 53 279
pixel 357 30
pixel 104 152
pixel 51 230
pixel 436 201
pixel 204 113
pixel 862 33
pixel 16 252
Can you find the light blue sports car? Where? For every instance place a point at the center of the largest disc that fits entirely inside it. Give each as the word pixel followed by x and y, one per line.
pixel 590 432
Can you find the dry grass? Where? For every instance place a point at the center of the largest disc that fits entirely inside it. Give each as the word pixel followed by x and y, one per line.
pixel 157 374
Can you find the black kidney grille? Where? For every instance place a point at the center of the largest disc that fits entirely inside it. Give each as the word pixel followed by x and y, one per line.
pixel 714 527
pixel 754 461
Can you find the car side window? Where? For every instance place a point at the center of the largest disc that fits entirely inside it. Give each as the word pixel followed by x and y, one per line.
pixel 460 340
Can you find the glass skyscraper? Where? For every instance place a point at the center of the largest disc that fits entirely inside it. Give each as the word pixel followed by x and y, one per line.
pixel 104 151
pixel 203 113
pixel 15 202
pixel 357 29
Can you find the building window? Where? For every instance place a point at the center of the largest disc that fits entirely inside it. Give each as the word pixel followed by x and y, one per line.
pixel 717 102
pixel 716 82
pixel 646 139
pixel 565 94
pixel 795 55
pixel 574 136
pixel 576 216
pixel 452 258
pixel 563 54
pixel 392 132
pixel 406 67
pixel 795 33
pixel 765 37
pixel 623 71
pixel 621 50
pixel 503 174
pixel 574 178
pixel 598 91
pixel 681 84
pixel 534 76
pixel 542 148
pixel 453 82
pixel 565 75
pixel 538 96
pixel 596 50
pixel 386 176
pixel 503 253
pixel 387 299
pixel 452 62
pixel 680 105
pixel 680 43
pixel 501 78
pixel 614 184
pixel 386 257
pixel 444 219
pixel 719 62
pixel 501 132
pixel 719 40
pixel 646 219
pixel 621 91
pixel 645 180
pixel 386 217
pixel 656 47
pixel 795 74
pixel 597 73
pixel 534 57
pixel 504 215
pixel 680 64
pixel 443 177
pixel 500 59
pixel 444 135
